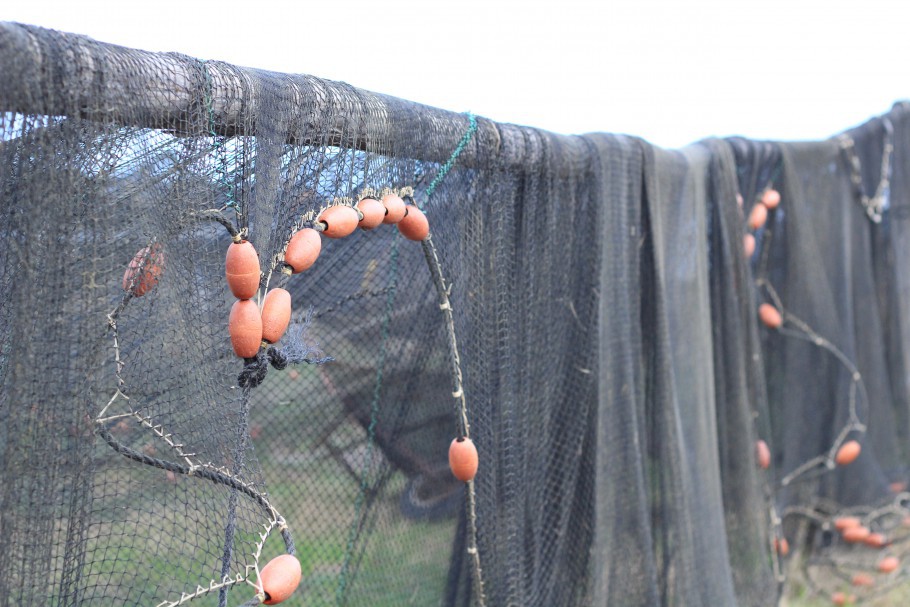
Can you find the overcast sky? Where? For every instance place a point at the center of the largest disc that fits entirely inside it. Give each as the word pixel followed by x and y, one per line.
pixel 670 71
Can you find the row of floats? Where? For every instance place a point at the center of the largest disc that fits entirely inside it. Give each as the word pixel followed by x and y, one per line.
pixel 252 328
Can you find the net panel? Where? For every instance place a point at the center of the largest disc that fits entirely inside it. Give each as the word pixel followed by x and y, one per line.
pixel 618 371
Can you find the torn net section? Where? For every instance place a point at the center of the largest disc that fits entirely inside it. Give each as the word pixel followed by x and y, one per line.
pixel 617 376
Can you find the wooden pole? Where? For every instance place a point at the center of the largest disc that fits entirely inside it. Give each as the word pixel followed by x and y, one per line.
pixel 46 72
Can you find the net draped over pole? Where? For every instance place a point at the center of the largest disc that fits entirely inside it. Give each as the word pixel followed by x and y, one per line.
pixel 667 359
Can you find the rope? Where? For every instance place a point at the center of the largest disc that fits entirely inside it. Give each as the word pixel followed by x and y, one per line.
pixel 444 170
pixel 230 526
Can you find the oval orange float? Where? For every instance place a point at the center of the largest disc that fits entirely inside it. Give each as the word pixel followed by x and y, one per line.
pixel 839 598
pixel 758 216
pixel 762 454
pixel 889 564
pixel 373 213
pixel 340 221
pixel 782 546
pixel 845 522
pixel 771 198
pixel 241 268
pixel 414 226
pixel 847 453
pixel 876 540
pixel 144 270
pixel 395 208
pixel 854 535
pixel 279 579
pixel 770 316
pixel 303 249
pixel 276 314
pixel 463 459
pixel 245 327
pixel 748 245
pixel 863 579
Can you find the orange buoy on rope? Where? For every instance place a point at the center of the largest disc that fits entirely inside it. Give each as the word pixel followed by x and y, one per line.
pixel 782 546
pixel 845 522
pixel 303 250
pixel 144 270
pixel 876 540
pixel 854 535
pixel 463 459
pixel 748 245
pixel 414 226
pixel 340 220
pixel 395 208
pixel 762 454
pixel 847 453
pixel 279 579
pixel 771 198
pixel 863 579
pixel 758 216
pixel 770 316
pixel 889 564
pixel 241 268
pixel 245 328
pixel 276 314
pixel 373 213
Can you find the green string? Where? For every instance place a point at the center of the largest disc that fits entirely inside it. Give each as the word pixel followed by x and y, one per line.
pixel 365 481
pixel 218 142
pixel 371 429
pixel 444 170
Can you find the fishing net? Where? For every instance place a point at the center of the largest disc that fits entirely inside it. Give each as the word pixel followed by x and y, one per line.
pixel 666 386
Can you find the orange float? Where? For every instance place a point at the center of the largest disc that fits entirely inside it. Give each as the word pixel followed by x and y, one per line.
pixel 340 220
pixel 279 579
pixel 245 328
pixel 144 270
pixel 863 579
pixel 414 226
pixel 845 522
pixel 782 546
pixel 395 208
pixel 758 216
pixel 770 316
pixel 276 314
pixel 854 535
pixel 762 454
pixel 241 268
pixel 839 598
pixel 771 198
pixel 373 213
pixel 889 564
pixel 463 459
pixel 847 453
pixel 303 249
pixel 876 540
pixel 748 245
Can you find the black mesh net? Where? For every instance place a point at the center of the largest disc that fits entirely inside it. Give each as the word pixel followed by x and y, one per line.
pixel 660 418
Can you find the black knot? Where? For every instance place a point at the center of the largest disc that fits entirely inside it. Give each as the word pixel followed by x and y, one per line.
pixel 278 358
pixel 254 370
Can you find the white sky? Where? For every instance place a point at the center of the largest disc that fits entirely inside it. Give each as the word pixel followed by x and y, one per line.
pixel 670 71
